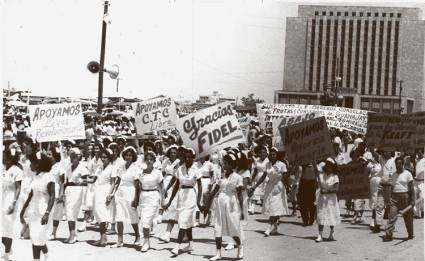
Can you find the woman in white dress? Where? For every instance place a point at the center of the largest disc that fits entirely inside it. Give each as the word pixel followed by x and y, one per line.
pixel 187 176
pixel 124 191
pixel 376 201
pixel 244 172
pixel 58 173
pixel 102 207
pixel 149 195
pixel 39 204
pixel 229 205
pixel 169 168
pixel 11 187
pixel 207 172
pixel 75 175
pixel 328 213
pixel 275 202
pixel 258 169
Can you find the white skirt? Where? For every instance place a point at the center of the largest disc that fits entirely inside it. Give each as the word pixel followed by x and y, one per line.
pixel 58 210
pixel 149 205
pixel 328 213
pixel 73 201
pixel 275 200
pixel 124 211
pixel 88 197
pixel 186 207
pixel 9 222
pixel 227 216
pixel 39 234
pixel 171 212
pixel 101 211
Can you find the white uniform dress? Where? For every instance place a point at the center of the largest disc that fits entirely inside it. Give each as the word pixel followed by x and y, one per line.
pixel 125 195
pixel 375 172
pixel 186 197
pixel 275 198
pixel 27 177
pixel 102 188
pixel 245 174
pixel 328 213
pixel 228 211
pixel 170 172
pixel 92 165
pixel 37 207
pixel 9 222
pixel 56 171
pixel 150 197
pixel 261 167
pixel 74 194
pixel 116 165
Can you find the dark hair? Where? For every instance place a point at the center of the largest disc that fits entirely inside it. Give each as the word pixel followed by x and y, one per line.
pixel 14 159
pixel 168 151
pixel 55 154
pixel 150 153
pixel 233 162
pixel 133 153
pixel 332 166
pixel 148 144
pixel 399 158
pixel 243 162
pixel 107 153
pixel 43 164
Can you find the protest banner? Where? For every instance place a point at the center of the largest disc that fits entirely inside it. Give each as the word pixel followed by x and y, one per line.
pixel 154 115
pixel 353 180
pixel 307 141
pixel 354 120
pixel 391 132
pixel 288 120
pixel 55 122
pixel 210 129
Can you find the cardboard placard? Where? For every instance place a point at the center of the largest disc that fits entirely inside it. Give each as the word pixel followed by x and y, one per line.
pixel 154 115
pixel 307 141
pixel 55 122
pixel 353 180
pixel 211 129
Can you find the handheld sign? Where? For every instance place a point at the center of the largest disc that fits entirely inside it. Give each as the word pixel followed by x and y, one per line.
pixel 353 180
pixel 210 129
pixel 307 141
pixel 154 115
pixel 55 122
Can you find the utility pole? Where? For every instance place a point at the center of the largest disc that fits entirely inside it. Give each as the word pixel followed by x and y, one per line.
pixel 119 98
pixel 102 58
pixel 399 96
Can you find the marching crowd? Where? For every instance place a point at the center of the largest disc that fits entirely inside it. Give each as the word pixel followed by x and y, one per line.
pixel 119 180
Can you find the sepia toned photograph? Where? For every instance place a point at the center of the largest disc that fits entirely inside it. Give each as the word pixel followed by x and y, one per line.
pixel 212 130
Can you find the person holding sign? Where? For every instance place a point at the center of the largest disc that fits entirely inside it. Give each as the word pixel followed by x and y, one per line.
pixel 125 188
pixel 11 187
pixel 187 176
pixel 39 204
pixel 75 175
pixel 402 199
pixel 275 199
pixel 327 203
pixel 229 205
pixel 149 195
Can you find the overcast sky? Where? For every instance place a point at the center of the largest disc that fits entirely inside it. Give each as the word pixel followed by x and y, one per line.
pixel 176 48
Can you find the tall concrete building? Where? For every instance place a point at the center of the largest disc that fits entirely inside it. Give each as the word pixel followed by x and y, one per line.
pixel 373 56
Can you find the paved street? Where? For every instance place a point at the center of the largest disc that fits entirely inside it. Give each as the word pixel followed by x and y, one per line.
pixel 354 242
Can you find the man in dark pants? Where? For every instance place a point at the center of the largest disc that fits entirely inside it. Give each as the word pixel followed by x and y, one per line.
pixel 401 197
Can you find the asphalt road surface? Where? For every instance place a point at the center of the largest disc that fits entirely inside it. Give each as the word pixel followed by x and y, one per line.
pixel 294 242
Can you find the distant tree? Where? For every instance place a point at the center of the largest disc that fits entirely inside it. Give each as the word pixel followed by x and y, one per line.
pixel 250 101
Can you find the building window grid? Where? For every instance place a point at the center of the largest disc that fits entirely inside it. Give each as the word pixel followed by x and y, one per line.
pixel 341 59
pixel 395 57
pixel 378 74
pixel 311 72
pixel 327 47
pixel 350 49
pixel 372 58
pixel 366 31
pixel 388 50
pixel 335 47
pixel 319 54
pixel 356 63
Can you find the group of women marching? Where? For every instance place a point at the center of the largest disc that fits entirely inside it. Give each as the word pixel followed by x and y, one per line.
pixel 117 184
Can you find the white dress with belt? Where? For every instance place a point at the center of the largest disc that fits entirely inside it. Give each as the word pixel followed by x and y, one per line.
pixel 186 195
pixel 170 171
pixel 9 222
pixel 37 207
pixel 74 194
pixel 150 197
pixel 125 194
pixel 102 188
pixel 275 197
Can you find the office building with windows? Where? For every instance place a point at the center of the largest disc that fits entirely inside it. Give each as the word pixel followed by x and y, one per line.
pixel 373 56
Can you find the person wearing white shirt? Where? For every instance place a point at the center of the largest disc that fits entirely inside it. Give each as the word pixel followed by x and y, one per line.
pixel 401 197
pixel 419 185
